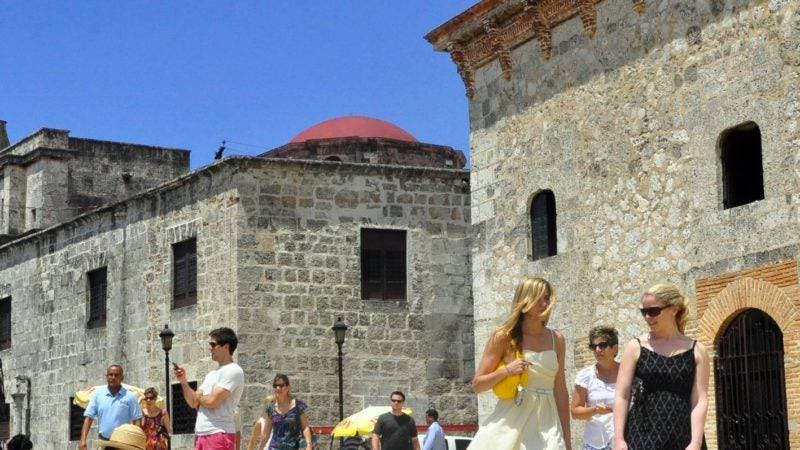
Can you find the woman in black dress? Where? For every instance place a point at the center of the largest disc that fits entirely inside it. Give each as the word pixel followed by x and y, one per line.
pixel 663 378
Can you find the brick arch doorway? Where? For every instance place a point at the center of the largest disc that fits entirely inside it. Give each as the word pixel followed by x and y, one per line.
pixel 751 384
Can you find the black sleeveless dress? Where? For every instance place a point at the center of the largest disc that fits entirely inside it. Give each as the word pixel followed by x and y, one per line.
pixel 660 416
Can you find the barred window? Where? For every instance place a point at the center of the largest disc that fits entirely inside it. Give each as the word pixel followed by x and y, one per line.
pixel 183 415
pixel 742 168
pixel 5 323
pixel 184 273
pixel 75 420
pixel 383 264
pixel 543 225
pixel 98 287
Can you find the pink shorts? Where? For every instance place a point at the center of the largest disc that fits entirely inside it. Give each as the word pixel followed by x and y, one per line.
pixel 216 441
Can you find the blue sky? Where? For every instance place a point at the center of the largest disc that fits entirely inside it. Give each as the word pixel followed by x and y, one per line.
pixel 189 74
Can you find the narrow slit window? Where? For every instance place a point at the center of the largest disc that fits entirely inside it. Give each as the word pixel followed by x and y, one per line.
pixel 184 273
pixel 543 225
pixel 383 264
pixel 742 167
pixel 98 288
pixel 5 323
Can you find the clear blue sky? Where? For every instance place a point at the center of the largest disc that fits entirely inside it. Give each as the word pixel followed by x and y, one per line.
pixel 189 74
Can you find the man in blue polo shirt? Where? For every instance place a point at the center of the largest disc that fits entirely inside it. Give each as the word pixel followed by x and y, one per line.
pixel 112 406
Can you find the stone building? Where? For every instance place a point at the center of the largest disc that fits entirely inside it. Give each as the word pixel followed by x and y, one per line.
pixel 616 143
pixel 274 247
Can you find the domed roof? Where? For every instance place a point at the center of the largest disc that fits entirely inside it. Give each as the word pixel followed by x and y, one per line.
pixel 354 126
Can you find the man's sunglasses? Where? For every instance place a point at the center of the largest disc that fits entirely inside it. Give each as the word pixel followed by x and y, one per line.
pixel 600 345
pixel 394 400
pixel 653 311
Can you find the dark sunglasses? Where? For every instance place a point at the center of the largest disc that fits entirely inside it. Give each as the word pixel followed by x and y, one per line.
pixel 600 345
pixel 394 400
pixel 653 311
pixel 149 399
pixel 276 385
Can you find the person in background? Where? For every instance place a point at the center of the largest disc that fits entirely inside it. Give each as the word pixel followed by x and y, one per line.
pixel 395 430
pixel 112 406
pixel 286 419
pixel 434 438
pixel 155 421
pixel 217 398
pixel 593 399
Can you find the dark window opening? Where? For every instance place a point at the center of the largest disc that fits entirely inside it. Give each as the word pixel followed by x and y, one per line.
pixel 742 168
pixel 5 323
pixel 383 264
pixel 333 158
pixel 184 273
pixel 75 420
pixel 98 288
pixel 183 415
pixel 543 225
pixel 5 417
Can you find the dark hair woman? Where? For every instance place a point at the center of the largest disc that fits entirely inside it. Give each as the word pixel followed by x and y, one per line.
pixel 286 418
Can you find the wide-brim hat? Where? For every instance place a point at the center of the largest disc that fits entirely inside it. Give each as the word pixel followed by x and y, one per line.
pixel 126 437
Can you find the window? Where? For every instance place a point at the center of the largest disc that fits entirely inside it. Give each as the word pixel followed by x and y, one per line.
pixel 742 169
pixel 543 225
pixel 183 416
pixel 75 420
pixel 383 264
pixel 5 417
pixel 184 273
pixel 5 323
pixel 98 287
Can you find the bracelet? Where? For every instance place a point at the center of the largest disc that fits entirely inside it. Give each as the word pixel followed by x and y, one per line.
pixel 508 372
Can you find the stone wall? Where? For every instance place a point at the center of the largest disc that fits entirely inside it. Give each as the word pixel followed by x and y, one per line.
pixel 623 128
pixel 277 245
pixel 299 269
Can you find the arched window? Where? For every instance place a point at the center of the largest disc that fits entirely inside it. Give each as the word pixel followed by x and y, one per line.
pixel 543 225
pixel 742 169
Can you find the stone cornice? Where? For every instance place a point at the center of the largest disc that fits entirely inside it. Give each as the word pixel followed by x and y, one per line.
pixel 490 29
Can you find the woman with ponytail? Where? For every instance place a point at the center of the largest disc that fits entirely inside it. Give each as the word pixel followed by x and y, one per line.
pixel 662 386
pixel 537 416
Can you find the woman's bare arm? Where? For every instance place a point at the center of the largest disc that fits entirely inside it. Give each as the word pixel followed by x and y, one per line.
pixel 699 395
pixel 560 390
pixel 487 373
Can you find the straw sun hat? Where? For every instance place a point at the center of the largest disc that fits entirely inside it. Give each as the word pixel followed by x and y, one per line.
pixel 126 437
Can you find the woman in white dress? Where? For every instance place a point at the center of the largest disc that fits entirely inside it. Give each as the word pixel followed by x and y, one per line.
pixel 538 418
pixel 593 399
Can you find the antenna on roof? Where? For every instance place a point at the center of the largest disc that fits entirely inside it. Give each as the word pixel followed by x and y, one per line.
pixel 218 154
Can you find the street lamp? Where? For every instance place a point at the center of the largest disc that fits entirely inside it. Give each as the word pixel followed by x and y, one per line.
pixel 166 336
pixel 339 331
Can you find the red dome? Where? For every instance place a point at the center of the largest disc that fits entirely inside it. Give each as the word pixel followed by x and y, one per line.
pixel 354 126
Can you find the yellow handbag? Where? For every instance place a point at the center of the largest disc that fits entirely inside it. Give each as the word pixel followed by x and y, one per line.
pixel 506 389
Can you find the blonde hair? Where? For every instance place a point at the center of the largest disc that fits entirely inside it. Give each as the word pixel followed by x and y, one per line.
pixel 529 292
pixel 671 296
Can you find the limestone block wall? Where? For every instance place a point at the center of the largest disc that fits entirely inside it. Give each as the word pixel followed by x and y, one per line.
pixel 623 128
pixel 45 276
pixel 299 269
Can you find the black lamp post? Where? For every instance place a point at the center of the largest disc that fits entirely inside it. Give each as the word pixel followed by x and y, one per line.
pixel 166 336
pixel 339 331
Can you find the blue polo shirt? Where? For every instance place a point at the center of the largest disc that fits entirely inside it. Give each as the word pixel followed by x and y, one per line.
pixel 111 411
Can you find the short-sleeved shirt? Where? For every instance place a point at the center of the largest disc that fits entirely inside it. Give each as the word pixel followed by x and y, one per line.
pixel 111 411
pixel 434 438
pixel 220 419
pixel 599 431
pixel 286 428
pixel 395 431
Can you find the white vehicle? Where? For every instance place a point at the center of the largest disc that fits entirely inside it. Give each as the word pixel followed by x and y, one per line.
pixel 453 442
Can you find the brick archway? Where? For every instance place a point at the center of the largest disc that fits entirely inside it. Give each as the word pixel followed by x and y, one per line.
pixel 742 294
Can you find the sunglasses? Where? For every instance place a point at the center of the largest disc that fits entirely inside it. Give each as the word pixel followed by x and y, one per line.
pixel 394 400
pixel 653 311
pixel 149 399
pixel 600 345
pixel 276 386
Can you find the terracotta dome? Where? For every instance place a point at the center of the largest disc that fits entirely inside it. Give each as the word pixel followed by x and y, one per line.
pixel 354 126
